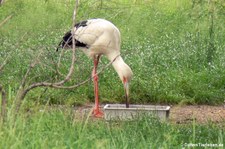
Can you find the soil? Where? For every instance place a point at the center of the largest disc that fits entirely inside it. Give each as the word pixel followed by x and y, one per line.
pixel 185 114
pixel 199 113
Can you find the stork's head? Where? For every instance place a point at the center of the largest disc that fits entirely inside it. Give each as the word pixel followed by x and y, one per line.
pixel 125 73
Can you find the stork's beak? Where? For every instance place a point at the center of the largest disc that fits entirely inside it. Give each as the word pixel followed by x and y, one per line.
pixel 126 89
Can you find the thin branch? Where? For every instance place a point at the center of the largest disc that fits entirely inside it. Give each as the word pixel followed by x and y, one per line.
pixel 85 81
pixel 53 85
pixel 4 63
pixel 53 68
pixel 59 62
pixel 5 20
pixel 58 85
pixel 47 84
pixel 32 65
pixel 73 50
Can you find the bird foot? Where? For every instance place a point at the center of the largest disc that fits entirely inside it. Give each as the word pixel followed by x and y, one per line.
pixel 97 113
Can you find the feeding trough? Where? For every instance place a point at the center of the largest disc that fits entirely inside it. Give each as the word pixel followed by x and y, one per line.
pixel 120 112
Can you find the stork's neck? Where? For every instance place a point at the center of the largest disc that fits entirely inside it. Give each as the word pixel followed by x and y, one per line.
pixel 123 70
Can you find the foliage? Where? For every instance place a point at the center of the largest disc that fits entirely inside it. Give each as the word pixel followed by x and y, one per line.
pixel 172 46
pixel 166 43
pixel 65 129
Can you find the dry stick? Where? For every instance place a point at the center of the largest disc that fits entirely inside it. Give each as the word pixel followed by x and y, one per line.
pixel 58 85
pixel 3 93
pixel 4 63
pixel 53 85
pixel 73 50
pixel 44 84
pixel 47 84
pixel 3 108
pixel 32 65
pixel 62 52
pixel 6 19
pixel 73 33
pixel 59 61
pixel 85 81
pixel 52 69
pixel 23 83
pixel 60 56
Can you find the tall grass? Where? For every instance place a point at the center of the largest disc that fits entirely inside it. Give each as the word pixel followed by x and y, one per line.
pixel 165 42
pixel 60 129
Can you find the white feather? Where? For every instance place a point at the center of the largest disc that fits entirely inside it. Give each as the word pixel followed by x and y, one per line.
pixel 101 36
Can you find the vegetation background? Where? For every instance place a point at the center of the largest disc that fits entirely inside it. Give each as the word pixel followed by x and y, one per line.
pixel 175 48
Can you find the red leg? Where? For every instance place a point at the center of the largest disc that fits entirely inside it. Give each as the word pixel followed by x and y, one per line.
pixel 97 111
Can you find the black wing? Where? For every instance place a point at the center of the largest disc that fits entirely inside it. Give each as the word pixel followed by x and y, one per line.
pixel 67 38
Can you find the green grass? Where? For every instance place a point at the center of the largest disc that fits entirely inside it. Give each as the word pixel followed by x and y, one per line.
pixel 60 129
pixel 165 43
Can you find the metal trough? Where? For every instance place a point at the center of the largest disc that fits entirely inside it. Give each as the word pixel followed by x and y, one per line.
pixel 120 112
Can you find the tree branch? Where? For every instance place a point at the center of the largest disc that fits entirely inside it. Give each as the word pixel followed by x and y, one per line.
pixel 32 65
pixel 60 84
pixel 4 63
pixel 5 20
pixel 53 85
pixel 47 84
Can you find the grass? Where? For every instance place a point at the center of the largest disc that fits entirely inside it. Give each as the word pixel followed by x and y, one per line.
pixel 164 43
pixel 60 129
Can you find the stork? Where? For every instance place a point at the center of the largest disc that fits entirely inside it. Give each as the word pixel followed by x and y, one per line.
pixel 97 37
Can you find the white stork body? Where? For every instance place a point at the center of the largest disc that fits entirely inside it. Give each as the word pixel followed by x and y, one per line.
pixel 101 36
pixel 98 37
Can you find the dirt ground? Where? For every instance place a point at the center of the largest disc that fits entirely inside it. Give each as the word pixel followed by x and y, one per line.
pixel 198 113
pixel 186 114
